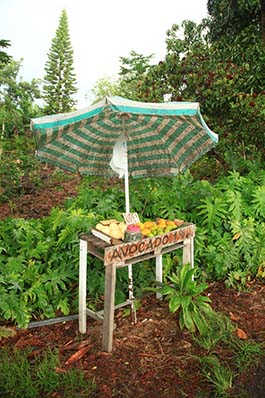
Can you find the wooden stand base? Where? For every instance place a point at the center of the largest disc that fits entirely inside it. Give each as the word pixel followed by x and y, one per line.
pixel 125 255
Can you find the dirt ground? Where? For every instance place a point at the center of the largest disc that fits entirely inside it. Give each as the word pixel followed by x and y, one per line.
pixel 152 358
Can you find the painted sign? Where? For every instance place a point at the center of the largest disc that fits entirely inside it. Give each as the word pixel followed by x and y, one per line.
pixel 131 218
pixel 120 253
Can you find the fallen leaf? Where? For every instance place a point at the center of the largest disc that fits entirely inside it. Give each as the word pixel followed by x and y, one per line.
pixel 77 355
pixel 233 317
pixel 60 370
pixel 241 334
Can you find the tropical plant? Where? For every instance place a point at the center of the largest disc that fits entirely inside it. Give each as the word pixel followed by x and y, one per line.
pixel 185 295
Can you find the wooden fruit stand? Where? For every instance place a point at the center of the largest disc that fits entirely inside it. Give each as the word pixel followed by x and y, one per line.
pixel 121 255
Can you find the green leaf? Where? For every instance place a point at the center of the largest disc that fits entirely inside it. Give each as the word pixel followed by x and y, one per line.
pixel 185 278
pixel 200 322
pixel 181 320
pixel 188 321
pixel 174 304
pixel 167 290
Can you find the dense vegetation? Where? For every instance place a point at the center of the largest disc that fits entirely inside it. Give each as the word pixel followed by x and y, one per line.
pixel 39 257
pixel 223 193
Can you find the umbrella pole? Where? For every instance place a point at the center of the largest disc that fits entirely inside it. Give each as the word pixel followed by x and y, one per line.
pixel 127 208
pixel 126 187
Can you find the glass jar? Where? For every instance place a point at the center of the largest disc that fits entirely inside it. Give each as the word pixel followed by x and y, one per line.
pixel 132 233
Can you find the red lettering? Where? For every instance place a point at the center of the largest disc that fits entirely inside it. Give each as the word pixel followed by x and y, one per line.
pixel 149 245
pixel 133 248
pixel 157 242
pixel 115 255
pixel 165 239
pixel 141 246
pixel 124 249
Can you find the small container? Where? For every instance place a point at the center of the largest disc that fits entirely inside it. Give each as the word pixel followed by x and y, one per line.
pixel 132 233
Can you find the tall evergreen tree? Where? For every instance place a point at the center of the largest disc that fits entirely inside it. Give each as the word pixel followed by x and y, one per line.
pixel 60 80
pixel 4 57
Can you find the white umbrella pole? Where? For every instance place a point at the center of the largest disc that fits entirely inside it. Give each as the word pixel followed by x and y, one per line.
pixel 127 208
pixel 126 186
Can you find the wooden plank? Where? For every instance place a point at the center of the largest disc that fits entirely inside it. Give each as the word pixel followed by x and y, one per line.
pixel 131 250
pixel 82 285
pixel 188 256
pixel 109 299
pixel 91 249
pixel 159 272
pixel 98 316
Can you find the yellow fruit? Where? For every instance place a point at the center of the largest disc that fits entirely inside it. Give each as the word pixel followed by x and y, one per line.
pixel 114 225
pixel 122 227
pixel 99 226
pixel 106 229
pixel 146 231
pixel 148 224
pixel 171 223
pixel 116 234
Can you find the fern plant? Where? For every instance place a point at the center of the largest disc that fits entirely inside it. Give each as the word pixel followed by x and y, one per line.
pixel 213 212
pixel 258 201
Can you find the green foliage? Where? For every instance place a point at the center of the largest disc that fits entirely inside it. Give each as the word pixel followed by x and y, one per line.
pixel 19 170
pixel 60 81
pixel 219 370
pixel 185 295
pixel 220 330
pixel 39 258
pixel 17 100
pixel 228 18
pixel 246 354
pixel 218 375
pixel 20 377
pixel 133 71
pixel 4 57
pixel 39 264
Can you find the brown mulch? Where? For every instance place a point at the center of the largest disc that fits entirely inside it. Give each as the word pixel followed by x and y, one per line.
pixel 152 358
pixel 36 202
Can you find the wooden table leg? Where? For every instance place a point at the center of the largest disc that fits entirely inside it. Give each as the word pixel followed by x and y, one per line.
pixel 188 255
pixel 82 285
pixel 109 303
pixel 159 272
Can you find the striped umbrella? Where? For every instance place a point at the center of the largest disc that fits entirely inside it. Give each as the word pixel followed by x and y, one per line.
pixel 132 138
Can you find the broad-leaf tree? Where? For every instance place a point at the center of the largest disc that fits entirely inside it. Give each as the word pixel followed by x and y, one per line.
pixel 60 80
pixel 17 100
pixel 229 17
pixel 131 81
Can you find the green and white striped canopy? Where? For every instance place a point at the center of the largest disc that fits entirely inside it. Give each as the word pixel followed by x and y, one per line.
pixel 163 139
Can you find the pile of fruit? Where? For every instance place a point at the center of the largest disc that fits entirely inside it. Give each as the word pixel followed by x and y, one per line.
pixel 113 228
pixel 158 227
pixel 116 229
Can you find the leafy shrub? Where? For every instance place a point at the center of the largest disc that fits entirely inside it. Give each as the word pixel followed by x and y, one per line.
pixel 185 295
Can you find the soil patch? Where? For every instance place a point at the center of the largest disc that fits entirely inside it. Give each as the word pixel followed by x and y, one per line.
pixel 152 358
